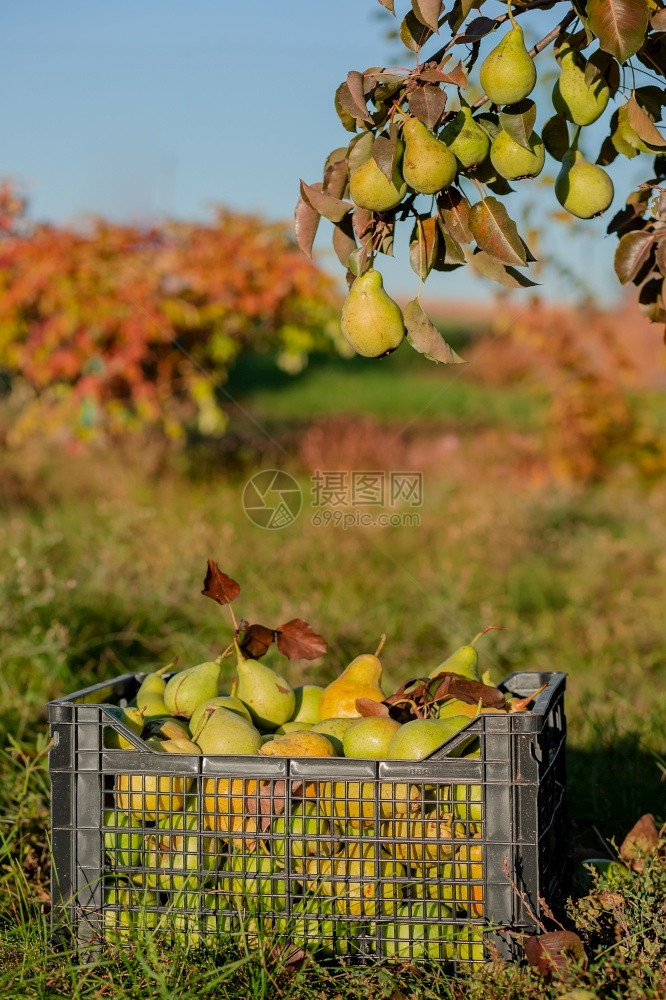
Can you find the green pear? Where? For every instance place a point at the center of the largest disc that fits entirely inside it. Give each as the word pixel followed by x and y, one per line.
pixel 222 701
pixel 174 859
pixel 306 707
pixel 428 164
pixel 150 696
pixel 251 879
pixel 121 923
pixel 223 732
pixel 130 717
pixel 406 938
pixel 370 737
pixel 572 97
pixel 168 728
pixel 513 161
pixel 584 189
pixel 421 737
pixel 371 189
pixel 468 803
pixel 466 139
pixel 371 321
pixel 269 697
pixel 292 727
pixel 124 839
pixel 334 730
pixel 508 73
pixel 309 833
pixel 178 745
pixel 464 661
pixel 187 689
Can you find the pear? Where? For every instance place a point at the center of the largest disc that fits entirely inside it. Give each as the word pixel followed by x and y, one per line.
pixel 300 744
pixel 371 189
pixel 224 809
pixel 464 661
pixel 122 923
pixel 124 839
pixel 150 696
pixel 250 879
pixel 419 840
pixel 454 706
pixel 268 696
pixel 572 97
pixel 289 727
pixel 221 731
pixel 361 679
pixel 130 717
pixel 175 859
pixel 468 803
pixel 168 728
pixel 334 730
pixel 468 949
pixel 356 880
pixel 369 738
pixel 149 795
pixel 466 140
pixel 309 833
pixel 306 707
pixel 428 164
pixel 508 73
pixel 371 321
pixel 513 161
pixel 584 189
pixel 352 803
pixel 222 701
pixel 469 866
pixel 421 737
pixel 187 689
pixel 407 939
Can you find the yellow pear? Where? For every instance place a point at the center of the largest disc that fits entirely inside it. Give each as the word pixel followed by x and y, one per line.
pixel 428 165
pixel 352 803
pixel 572 97
pixel 371 321
pixel 303 743
pixel 231 806
pixel 362 882
pixel 584 189
pixel 361 679
pixel 466 139
pixel 508 73
pixel 151 794
pixel 369 738
pixel 513 161
pixel 371 189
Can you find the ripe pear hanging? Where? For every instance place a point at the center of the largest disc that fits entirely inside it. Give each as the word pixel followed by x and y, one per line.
pixel 584 189
pixel 371 321
pixel 508 73
pixel 428 164
pixel 572 97
pixel 513 161
pixel 371 189
pixel 466 139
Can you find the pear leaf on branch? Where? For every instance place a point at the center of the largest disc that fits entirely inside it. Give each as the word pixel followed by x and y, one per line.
pixel 218 586
pixel 297 641
pixel 426 338
pixel 256 640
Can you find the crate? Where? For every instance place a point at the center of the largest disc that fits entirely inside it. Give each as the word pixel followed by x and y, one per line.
pixel 444 860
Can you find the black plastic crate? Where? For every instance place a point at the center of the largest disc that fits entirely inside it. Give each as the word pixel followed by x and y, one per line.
pixel 443 859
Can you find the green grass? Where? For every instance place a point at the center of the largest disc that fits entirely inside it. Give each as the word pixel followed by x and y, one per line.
pixel 100 573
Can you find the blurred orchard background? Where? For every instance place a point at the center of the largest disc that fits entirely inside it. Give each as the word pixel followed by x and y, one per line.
pixel 162 339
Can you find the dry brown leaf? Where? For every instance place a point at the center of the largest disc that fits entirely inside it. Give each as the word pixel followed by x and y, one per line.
pixel 218 586
pixel 297 641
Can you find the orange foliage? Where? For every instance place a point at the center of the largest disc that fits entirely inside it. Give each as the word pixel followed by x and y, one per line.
pixel 119 328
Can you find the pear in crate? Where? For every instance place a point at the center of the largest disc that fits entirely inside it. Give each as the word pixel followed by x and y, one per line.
pixel 222 701
pixel 468 801
pixel 306 707
pixel 334 730
pixel 188 689
pixel 434 882
pixel 167 728
pixel 409 936
pixel 303 743
pixel 312 926
pixel 469 866
pixel 230 808
pixel 288 727
pixel 362 882
pixel 179 857
pixel 268 696
pixel 420 840
pixel 253 881
pixel 309 833
pixel 468 948
pixel 150 696
pixel 421 737
pixel 221 731
pixel 122 924
pixel 148 795
pixel 131 717
pixel 369 738
pixel 352 803
pixel 361 679
pixel 122 840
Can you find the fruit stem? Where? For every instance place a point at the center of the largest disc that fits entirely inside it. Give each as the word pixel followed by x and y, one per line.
pixel 233 617
pixel 382 640
pixel 508 10
pixel 574 144
pixel 488 628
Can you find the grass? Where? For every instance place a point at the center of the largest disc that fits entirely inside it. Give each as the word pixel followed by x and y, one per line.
pixel 100 573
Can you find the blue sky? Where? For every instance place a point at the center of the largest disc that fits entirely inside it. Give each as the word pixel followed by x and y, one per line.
pixel 140 110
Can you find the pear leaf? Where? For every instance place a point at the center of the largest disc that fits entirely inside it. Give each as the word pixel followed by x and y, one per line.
pixel 642 839
pixel 357 105
pixel 449 252
pixel 257 640
pixel 360 149
pixel 218 586
pixel 388 4
pixel 496 233
pixel 306 223
pixel 607 154
pixel 503 275
pixel 333 209
pixel 620 25
pixel 348 120
pixel 423 246
pixel 453 210
pixel 631 254
pixel 428 11
pixel 368 707
pixel 453 685
pixel 642 125
pixel 552 954
pixel 297 641
pixel 336 175
pixel 385 153
pixel 413 34
pixel 426 338
pixel 555 136
pixel 658 20
pixel 428 104
pixel 660 257
pixel 343 239
pixel 518 121
pixel 461 9
pixel 476 30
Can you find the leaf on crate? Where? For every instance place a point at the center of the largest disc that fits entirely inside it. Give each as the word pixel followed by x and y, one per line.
pixel 296 640
pixel 218 586
pixel 642 839
pixel 454 685
pixel 368 707
pixel 521 704
pixel 553 953
pixel 256 641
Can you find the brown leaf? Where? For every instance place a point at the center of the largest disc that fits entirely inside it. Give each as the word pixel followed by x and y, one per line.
pixel 368 707
pixel 425 338
pixel 631 254
pixel 453 210
pixel 428 12
pixel 413 34
pixel 343 239
pixel 218 586
pixel 642 125
pixel 306 222
pixel 257 639
pixel 333 209
pixel 619 25
pixel 491 268
pixel 385 154
pixel 641 839
pixel 358 106
pixel 296 640
pixel 428 104
pixel 454 685
pixel 496 233
pixel 552 954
